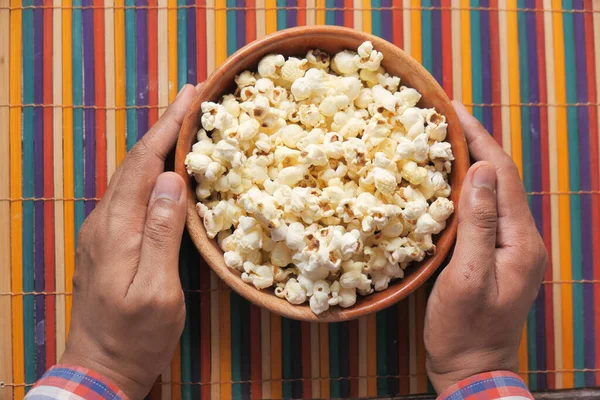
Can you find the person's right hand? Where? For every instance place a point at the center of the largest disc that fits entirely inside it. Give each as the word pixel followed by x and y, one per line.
pixel 480 302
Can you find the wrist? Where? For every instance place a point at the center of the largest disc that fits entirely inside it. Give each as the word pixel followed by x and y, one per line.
pixel 133 388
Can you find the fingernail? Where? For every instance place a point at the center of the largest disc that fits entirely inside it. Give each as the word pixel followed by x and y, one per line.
pixel 167 188
pixel 484 177
pixel 181 91
pixel 459 107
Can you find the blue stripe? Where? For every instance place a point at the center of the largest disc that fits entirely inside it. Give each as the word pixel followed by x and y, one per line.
pixel 82 380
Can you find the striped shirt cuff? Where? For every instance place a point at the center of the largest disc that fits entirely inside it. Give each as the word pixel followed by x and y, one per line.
pixel 71 382
pixel 489 385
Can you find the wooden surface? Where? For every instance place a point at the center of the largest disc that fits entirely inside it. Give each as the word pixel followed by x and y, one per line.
pixel 294 42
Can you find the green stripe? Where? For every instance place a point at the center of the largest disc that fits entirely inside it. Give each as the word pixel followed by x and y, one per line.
pixel 28 191
pixel 236 344
pixel 376 17
pixel 286 356
pixel 329 13
pixel 78 167
pixel 181 44
pixel 476 59
pixel 574 185
pixel 426 35
pixel 130 73
pixel 281 15
pixel 231 28
pixel 334 360
pixel 382 383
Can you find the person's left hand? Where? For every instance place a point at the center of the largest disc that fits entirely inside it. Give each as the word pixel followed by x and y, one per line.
pixel 128 305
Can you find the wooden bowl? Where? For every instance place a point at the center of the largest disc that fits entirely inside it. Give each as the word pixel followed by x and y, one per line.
pixel 296 42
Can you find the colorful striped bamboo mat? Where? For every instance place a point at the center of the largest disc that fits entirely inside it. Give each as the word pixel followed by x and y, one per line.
pixel 81 81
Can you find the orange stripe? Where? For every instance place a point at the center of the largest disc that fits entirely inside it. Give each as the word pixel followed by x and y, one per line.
pixel 225 341
pixel 15 192
pixel 372 360
pixel 415 15
pixel 120 114
pixel 276 367
pixel 564 205
pixel 68 157
pixel 172 29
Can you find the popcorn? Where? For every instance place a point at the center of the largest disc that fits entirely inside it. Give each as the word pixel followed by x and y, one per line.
pixel 321 177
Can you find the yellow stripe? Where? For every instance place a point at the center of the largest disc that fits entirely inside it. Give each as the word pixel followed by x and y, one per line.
pixel 367 19
pixel 120 114
pixel 276 367
pixel 504 90
pixel 563 201
pixel 554 212
pixel 68 156
pixel 514 92
pixel 220 32
pixel 465 32
pixel 59 222
pixel 5 217
pixel 172 27
pixel 456 51
pixel 415 22
pixel 320 12
pixel 16 192
pixel 271 16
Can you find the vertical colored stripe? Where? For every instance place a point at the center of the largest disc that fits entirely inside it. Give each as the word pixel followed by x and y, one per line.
pixel 182 74
pixel 89 129
pixel 100 99
pixel 120 85
pixel 495 84
pixel 131 68
pixel 475 25
pixel 16 191
pixel 28 191
pixel 465 33
pixel 426 48
pixel 443 39
pixel 152 62
pixel 281 15
pixel 376 18
pixel 485 73
pixel 141 35
pixel 49 326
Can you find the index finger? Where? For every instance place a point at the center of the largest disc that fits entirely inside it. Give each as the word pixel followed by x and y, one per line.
pixel 512 199
pixel 146 159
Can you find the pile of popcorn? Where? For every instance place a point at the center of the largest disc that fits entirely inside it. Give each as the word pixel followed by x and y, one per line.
pixel 321 177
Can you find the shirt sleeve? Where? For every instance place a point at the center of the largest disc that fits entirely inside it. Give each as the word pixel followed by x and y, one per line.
pixel 487 386
pixel 71 382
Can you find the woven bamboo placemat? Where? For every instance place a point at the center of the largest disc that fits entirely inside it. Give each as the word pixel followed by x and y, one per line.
pixel 82 80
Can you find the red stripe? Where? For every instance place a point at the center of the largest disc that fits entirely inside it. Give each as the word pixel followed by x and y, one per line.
pixel 594 163
pixel 447 48
pixel 546 213
pixel 49 265
pixel 201 40
pixel 306 367
pixel 100 97
pixel 205 329
pixel 251 21
pixel 348 14
pixel 398 23
pixel 152 61
pixel 301 12
pixel 403 350
pixel 495 71
pixel 255 353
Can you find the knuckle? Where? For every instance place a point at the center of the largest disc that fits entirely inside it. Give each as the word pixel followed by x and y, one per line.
pixel 160 224
pixel 484 216
pixel 508 166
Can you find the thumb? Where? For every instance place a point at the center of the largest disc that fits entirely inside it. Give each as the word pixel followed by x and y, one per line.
pixel 474 254
pixel 165 220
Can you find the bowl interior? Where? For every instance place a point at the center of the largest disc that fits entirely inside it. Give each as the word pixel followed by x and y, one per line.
pixel 296 42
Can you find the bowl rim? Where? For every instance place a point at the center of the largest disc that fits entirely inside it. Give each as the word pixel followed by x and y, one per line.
pixel 213 255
